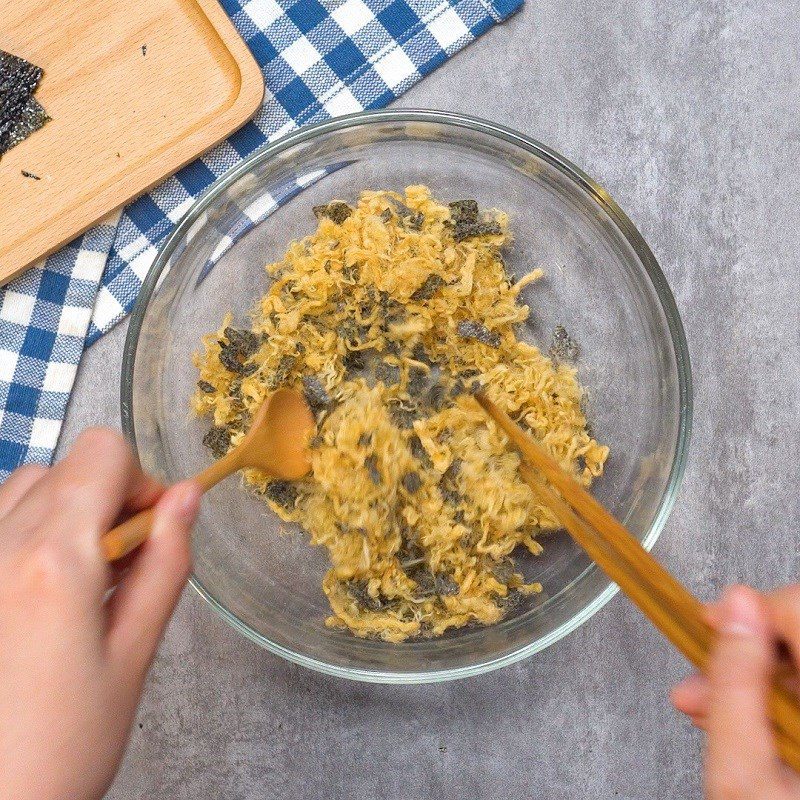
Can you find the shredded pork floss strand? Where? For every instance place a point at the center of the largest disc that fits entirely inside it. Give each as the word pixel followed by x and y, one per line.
pixel 389 317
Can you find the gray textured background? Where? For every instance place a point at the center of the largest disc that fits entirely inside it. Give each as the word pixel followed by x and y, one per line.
pixel 689 118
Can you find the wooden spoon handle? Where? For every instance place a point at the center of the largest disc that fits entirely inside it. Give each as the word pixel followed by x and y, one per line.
pixel 120 541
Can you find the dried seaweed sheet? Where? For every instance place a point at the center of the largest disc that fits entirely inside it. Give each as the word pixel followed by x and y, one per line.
pixel 20 114
pixel 32 118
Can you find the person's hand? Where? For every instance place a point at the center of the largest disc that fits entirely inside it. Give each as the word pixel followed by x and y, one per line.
pixel 72 656
pixel 741 761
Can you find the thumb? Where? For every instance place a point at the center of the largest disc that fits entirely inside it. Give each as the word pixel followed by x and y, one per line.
pixel 145 599
pixel 741 753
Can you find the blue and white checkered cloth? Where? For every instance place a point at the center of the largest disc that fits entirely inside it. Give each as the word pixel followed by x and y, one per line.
pixel 320 59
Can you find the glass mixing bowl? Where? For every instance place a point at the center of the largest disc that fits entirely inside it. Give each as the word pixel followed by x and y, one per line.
pixel 602 284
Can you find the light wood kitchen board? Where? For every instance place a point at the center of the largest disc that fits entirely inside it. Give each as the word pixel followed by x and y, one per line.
pixel 135 89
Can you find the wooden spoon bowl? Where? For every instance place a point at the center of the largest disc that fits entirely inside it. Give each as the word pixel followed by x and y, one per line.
pixel 277 443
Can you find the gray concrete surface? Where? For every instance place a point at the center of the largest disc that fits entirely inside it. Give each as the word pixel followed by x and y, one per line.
pixel 688 114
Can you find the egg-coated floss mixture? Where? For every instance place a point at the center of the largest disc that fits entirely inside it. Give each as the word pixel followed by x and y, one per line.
pixel 388 317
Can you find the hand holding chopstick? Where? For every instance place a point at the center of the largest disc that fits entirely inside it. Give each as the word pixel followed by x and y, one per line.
pixel 662 598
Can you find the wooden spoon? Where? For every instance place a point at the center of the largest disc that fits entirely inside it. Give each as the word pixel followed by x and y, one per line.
pixel 276 443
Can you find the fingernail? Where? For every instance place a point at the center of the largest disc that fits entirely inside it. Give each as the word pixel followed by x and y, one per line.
pixel 741 614
pixel 185 499
pixel 689 693
pixel 694 683
pixel 190 502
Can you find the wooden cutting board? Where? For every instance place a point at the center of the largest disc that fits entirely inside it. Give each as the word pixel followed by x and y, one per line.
pixel 135 89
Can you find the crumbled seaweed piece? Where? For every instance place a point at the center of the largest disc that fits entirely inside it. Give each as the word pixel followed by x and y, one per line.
pixel 413 558
pixel 205 386
pixel 580 463
pixel 388 373
pixel 415 221
pixel 487 228
pixel 236 348
pixel 504 570
pixel 316 396
pixel 459 517
pixel 365 440
pixel 371 465
pixel 563 346
pixel 418 451
pixel 466 374
pixel 249 369
pixel 284 493
pixel 246 342
pixel 412 482
pixel 451 496
pixel 419 353
pixel 218 440
pixel 464 211
pixel 437 397
pixel 18 81
pixel 467 223
pixel 26 174
pixel 282 371
pixel 349 331
pixel 144 49
pixel 453 470
pixel 447 484
pixel 404 417
pixel 402 209
pixel 352 272
pixel 584 402
pixel 230 360
pixel 511 601
pixel 425 580
pixel 353 361
pixel 386 214
pixel 430 583
pixel 469 387
pixel 417 381
pixel 410 219
pixel 358 591
pixel 445 585
pixel 409 554
pixel 337 211
pixel 316 441
pixel 470 539
pixel 480 333
pixel 430 286
pixel 392 310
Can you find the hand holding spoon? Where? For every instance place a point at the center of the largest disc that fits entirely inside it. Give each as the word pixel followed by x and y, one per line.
pixel 276 443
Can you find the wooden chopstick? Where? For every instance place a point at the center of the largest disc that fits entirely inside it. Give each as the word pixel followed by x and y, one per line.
pixel 657 612
pixel 598 518
pixel 626 578
pixel 662 598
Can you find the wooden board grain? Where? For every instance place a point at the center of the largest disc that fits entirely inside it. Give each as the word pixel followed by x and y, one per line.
pixel 135 91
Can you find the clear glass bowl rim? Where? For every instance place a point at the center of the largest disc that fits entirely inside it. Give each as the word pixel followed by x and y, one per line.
pixel 584 182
